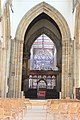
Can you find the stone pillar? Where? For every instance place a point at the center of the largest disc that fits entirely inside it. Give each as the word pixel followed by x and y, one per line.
pixel 5 48
pixel 29 64
pixel 77 50
pixel 58 82
pixel 11 83
pixel 65 68
pixel 31 59
pixel 27 61
pixel 4 72
pixel 57 85
pixel 78 41
pixel 0 69
pixel 0 53
pixel 71 75
pixel 18 66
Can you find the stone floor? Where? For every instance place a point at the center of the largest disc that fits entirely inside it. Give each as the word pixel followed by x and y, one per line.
pixel 37 112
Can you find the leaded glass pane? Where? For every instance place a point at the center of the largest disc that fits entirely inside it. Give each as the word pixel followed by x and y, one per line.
pixel 44 54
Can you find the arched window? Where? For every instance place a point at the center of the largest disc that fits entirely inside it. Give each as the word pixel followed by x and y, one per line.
pixel 43 54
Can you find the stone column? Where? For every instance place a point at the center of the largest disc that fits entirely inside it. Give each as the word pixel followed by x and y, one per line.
pixel 0 53
pixel 77 50
pixel 29 64
pixel 57 79
pixel 65 68
pixel 0 69
pixel 31 59
pixel 5 47
pixel 3 72
pixel 27 61
pixel 78 39
pixel 18 66
pixel 71 75
pixel 58 84
pixel 11 83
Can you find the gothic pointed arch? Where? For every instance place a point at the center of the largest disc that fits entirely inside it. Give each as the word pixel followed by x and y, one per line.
pixel 27 19
pixel 36 11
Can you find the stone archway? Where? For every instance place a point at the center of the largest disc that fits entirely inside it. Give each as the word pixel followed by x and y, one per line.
pixel 19 40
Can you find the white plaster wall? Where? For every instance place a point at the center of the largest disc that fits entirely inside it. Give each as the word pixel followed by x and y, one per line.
pixel 20 7
pixel 2 3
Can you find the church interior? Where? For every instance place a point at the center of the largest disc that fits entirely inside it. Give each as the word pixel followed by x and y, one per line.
pixel 39 60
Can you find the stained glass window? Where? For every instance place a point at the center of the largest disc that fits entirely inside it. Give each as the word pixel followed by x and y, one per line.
pixel 43 54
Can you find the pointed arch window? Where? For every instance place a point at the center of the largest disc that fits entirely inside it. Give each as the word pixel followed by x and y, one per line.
pixel 44 54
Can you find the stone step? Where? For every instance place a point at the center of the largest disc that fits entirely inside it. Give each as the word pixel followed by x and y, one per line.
pixel 36 112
